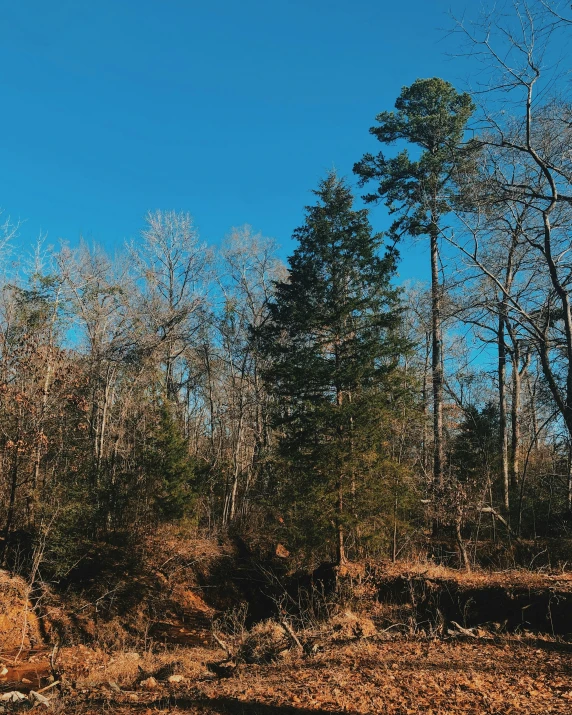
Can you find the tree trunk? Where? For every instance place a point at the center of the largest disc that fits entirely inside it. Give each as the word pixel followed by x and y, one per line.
pixel 503 436
pixel 517 374
pixel 340 550
pixel 436 362
pixel 11 504
pixel 569 485
pixel 425 403
pixel 33 499
pixel 464 556
pixel 340 537
pixel 236 470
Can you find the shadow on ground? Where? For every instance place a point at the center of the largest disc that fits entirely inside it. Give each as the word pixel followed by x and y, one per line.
pixel 210 706
pixel 230 706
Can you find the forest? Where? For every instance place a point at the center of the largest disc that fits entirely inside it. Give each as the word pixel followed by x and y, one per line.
pixel 319 412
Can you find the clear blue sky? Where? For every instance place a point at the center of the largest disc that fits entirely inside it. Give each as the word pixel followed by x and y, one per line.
pixel 229 109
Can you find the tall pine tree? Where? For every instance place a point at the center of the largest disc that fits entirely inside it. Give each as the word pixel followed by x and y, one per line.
pixel 332 349
pixel 432 116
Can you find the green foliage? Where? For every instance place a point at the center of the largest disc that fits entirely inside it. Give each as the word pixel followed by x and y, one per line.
pixel 431 115
pixel 331 345
pixel 170 471
pixel 71 532
pixel 332 325
pixel 475 450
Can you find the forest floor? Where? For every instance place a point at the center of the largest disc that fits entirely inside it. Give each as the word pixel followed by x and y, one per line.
pixel 398 676
pixel 401 639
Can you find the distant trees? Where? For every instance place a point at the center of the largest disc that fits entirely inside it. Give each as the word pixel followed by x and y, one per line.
pixel 238 402
pixel 171 265
pixel 514 232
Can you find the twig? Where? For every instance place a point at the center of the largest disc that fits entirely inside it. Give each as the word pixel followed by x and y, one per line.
pixel 54 657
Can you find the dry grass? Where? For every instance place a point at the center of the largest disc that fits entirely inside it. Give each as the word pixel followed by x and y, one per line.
pixel 19 626
pixel 88 669
pixel 264 643
pixel 348 626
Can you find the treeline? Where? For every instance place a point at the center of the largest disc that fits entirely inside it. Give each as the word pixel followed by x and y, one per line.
pixel 318 405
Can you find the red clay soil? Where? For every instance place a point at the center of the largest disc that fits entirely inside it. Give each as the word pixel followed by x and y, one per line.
pixel 510 578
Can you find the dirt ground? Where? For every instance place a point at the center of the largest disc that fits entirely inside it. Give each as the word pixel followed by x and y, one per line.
pixel 403 676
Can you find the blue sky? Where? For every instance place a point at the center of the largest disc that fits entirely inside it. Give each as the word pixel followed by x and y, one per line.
pixel 229 110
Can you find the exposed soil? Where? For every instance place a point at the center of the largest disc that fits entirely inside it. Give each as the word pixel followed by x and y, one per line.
pixel 193 630
pixel 32 674
pixel 510 602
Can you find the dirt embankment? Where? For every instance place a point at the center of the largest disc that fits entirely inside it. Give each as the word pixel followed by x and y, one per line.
pixel 512 601
pixel 178 585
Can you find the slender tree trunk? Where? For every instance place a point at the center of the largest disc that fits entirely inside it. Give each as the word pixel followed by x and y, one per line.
pixel 236 469
pixel 517 374
pixel 340 536
pixel 569 485
pixel 425 403
pixel 394 545
pixel 436 361
pixel 533 414
pixel 464 556
pixel 503 436
pixel 38 453
pixel 109 377
pixel 515 428
pixel 340 550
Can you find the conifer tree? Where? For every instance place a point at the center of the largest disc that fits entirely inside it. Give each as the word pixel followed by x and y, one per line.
pixel 331 347
pixel 432 116
pixel 475 448
pixel 170 468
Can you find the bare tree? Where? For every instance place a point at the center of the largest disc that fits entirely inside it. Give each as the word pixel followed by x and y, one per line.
pixel 248 269
pixel 171 264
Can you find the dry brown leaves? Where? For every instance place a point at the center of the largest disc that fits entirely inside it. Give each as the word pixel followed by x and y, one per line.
pixel 401 677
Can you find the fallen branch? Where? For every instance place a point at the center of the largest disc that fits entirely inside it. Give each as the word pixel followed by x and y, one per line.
pixel 53 659
pixel 288 628
pixel 464 631
pixel 223 645
pixel 494 512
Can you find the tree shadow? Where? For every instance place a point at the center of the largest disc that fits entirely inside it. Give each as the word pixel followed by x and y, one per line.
pixel 217 706
pixel 232 706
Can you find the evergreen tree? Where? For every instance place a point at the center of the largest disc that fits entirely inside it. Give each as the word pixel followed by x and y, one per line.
pixel 169 469
pixel 432 116
pixel 332 348
pixel 475 447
